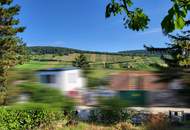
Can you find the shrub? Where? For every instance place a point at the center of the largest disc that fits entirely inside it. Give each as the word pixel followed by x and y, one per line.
pixel 43 94
pixel 108 66
pixel 113 103
pixel 26 75
pixel 157 122
pixel 104 116
pixel 81 62
pixel 111 116
pixel 28 116
pixel 127 126
pixel 111 111
pixel 95 82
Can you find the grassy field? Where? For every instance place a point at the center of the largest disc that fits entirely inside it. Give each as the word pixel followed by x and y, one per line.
pixel 99 60
pixel 28 70
pixel 35 65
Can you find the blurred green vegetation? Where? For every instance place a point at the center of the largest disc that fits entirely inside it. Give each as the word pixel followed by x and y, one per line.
pixel 29 116
pixel 42 94
pixel 101 67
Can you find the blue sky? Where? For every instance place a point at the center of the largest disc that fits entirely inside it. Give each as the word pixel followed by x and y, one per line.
pixel 82 24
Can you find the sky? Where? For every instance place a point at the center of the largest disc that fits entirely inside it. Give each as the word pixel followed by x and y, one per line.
pixel 81 24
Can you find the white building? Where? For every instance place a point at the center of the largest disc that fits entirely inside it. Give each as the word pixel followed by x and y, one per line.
pixel 68 80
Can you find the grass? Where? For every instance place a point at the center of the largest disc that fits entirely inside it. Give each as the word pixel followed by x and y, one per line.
pixel 85 126
pixel 98 58
pixel 35 65
pixel 31 65
pixel 102 73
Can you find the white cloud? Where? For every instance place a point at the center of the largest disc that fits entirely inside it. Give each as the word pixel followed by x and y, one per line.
pixel 151 31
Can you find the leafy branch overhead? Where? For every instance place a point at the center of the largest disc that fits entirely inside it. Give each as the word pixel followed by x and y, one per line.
pixel 134 19
pixel 137 20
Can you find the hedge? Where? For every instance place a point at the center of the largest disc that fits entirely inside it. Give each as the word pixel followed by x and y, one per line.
pixel 28 117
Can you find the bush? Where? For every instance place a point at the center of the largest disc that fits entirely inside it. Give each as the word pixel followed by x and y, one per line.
pixel 158 122
pixel 127 126
pixel 108 66
pixel 95 82
pixel 124 65
pixel 29 116
pixel 43 94
pixel 111 111
pixel 111 116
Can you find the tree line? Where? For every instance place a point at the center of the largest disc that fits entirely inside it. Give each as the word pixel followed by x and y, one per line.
pixel 41 50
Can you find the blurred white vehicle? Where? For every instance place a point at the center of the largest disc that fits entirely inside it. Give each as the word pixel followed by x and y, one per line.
pixel 68 80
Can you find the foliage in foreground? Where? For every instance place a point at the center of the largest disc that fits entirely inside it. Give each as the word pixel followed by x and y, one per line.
pixel 41 116
pixel 29 116
pixel 136 19
pixel 43 94
pixel 111 111
pixel 158 122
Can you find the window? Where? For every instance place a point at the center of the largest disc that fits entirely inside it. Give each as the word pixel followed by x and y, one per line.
pixel 48 79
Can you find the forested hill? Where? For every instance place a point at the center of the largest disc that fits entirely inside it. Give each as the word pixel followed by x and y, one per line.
pixel 61 50
pixel 40 50
pixel 133 52
pixel 51 50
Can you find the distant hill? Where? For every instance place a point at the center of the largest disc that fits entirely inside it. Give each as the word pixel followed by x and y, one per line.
pixel 40 50
pixel 134 52
pixel 51 50
pixel 140 52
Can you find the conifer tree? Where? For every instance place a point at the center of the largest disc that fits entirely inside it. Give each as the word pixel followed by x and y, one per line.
pixel 81 62
pixel 176 57
pixel 12 49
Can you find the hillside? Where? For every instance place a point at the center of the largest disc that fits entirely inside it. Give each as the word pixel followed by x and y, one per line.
pixel 40 50
pixel 132 60
pixel 140 52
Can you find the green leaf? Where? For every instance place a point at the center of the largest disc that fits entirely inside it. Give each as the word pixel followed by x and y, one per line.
pixel 137 20
pixel 108 11
pixel 129 3
pixel 179 22
pixel 168 24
